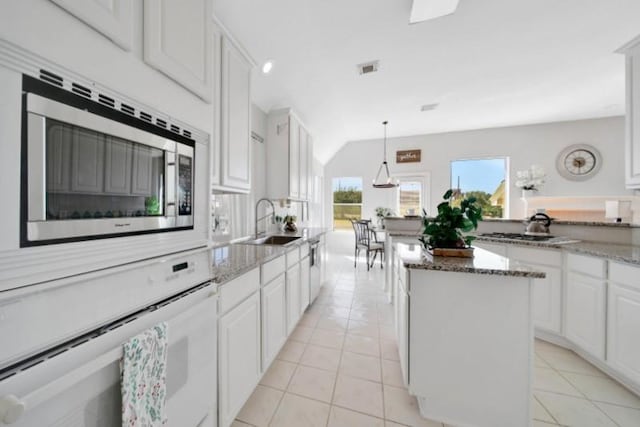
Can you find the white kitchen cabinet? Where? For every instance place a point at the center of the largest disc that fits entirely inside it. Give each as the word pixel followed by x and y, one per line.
pixel 239 357
pixel 87 162
pixel 235 142
pixel 305 289
pixel 177 42
pixel 289 148
pixel 294 157
pixel 403 327
pixel 303 165
pixel 113 18
pixel 231 139
pixel 547 292
pixel 274 319
pixel 117 167
pixel 632 146
pixel 623 320
pixel 585 312
pixel 293 297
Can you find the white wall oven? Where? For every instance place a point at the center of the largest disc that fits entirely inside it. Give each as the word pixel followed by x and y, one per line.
pixel 92 171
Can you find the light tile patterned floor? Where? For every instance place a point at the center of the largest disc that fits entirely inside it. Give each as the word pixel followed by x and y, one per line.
pixel 340 367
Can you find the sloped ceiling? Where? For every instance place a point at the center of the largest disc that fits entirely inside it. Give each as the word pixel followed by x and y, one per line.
pixel 492 63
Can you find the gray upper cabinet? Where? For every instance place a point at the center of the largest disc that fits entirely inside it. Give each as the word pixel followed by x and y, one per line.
pixel 59 158
pixel 141 182
pixel 112 18
pixel 632 147
pixel 117 166
pixel 177 42
pixel 87 162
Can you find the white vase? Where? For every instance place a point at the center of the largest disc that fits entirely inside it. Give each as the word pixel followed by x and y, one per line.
pixel 527 194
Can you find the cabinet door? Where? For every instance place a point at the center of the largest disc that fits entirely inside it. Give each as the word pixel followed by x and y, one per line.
pixel 547 299
pixel 87 162
pixel 177 42
pixel 59 139
pixel 294 158
pixel 216 135
pixel 274 320
pixel 293 297
pixel 310 174
pixel 403 333
pixel 117 166
pixel 585 313
pixel 623 338
pixel 305 284
pixel 113 18
pixel 304 169
pixel 239 357
pixel 235 141
pixel 142 171
pixel 633 118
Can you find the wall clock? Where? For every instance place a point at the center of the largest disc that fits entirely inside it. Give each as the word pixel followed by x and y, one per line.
pixel 579 162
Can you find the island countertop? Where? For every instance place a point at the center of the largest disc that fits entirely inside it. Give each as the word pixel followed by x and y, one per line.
pixel 484 262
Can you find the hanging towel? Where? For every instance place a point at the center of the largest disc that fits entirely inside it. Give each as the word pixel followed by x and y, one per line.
pixel 144 374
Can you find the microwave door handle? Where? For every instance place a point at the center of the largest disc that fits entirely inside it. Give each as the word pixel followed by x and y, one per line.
pixel 171 180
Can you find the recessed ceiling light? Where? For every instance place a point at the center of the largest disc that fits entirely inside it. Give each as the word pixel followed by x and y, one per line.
pixel 267 67
pixel 429 107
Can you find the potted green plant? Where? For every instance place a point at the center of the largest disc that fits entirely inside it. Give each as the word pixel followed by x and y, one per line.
pixel 445 233
pixel 290 223
pixel 381 214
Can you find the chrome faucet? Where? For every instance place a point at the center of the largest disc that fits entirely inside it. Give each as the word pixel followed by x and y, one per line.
pixel 272 214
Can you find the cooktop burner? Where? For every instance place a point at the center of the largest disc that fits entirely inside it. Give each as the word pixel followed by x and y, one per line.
pixel 517 236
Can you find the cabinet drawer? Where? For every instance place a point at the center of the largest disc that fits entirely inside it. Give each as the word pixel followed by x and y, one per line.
pixel 237 290
pixel 624 274
pixel 270 270
pixel 586 265
pixel 293 257
pixel 304 250
pixel 536 256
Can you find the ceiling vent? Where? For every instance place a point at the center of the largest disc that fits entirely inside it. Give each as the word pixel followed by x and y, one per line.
pixel 429 107
pixel 368 67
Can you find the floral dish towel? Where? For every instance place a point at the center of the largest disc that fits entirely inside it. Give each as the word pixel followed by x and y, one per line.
pixel 144 374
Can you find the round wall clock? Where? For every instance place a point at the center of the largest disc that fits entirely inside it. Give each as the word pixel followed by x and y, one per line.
pixel 579 162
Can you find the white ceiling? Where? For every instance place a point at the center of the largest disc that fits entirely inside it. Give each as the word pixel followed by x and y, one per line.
pixel 492 63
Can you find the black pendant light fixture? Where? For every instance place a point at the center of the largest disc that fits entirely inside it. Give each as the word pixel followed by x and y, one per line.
pixel 388 182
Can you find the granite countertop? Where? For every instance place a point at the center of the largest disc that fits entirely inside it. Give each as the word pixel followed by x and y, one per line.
pixel 612 251
pixel 483 262
pixel 232 260
pixel 570 222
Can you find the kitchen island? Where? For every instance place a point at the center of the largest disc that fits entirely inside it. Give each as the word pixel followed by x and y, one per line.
pixel 465 335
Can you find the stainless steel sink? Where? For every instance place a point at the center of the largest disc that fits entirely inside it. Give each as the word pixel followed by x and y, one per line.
pixel 273 240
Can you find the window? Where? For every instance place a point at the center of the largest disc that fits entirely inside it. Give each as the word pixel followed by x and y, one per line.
pixel 409 197
pixel 347 201
pixel 484 179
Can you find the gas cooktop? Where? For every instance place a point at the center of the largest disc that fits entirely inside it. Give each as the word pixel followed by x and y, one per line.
pixel 518 236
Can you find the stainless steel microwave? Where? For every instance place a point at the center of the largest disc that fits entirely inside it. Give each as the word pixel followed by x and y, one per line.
pixel 90 171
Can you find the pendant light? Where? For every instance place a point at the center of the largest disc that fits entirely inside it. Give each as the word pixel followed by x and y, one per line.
pixel 388 183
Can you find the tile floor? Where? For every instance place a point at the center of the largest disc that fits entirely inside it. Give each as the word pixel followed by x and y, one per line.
pixel 340 367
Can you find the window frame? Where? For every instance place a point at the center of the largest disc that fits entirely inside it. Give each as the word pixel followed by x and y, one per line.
pixel 425 192
pixel 506 212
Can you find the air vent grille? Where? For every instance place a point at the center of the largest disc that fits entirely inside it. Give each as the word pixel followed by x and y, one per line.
pixel 186 133
pixel 128 109
pixel 109 102
pixel 368 67
pixel 81 90
pixel 161 123
pixel 175 129
pixel 145 116
pixel 49 77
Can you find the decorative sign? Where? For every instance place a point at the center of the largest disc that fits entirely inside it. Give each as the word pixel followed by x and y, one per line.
pixel 408 156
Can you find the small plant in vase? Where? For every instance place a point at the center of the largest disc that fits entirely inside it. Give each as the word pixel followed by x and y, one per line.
pixel 279 222
pixel 290 223
pixel 445 233
pixel 381 214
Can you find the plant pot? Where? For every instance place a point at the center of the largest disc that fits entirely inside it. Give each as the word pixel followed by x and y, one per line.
pixel 451 252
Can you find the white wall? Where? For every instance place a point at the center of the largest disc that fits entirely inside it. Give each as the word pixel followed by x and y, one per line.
pixel 524 145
